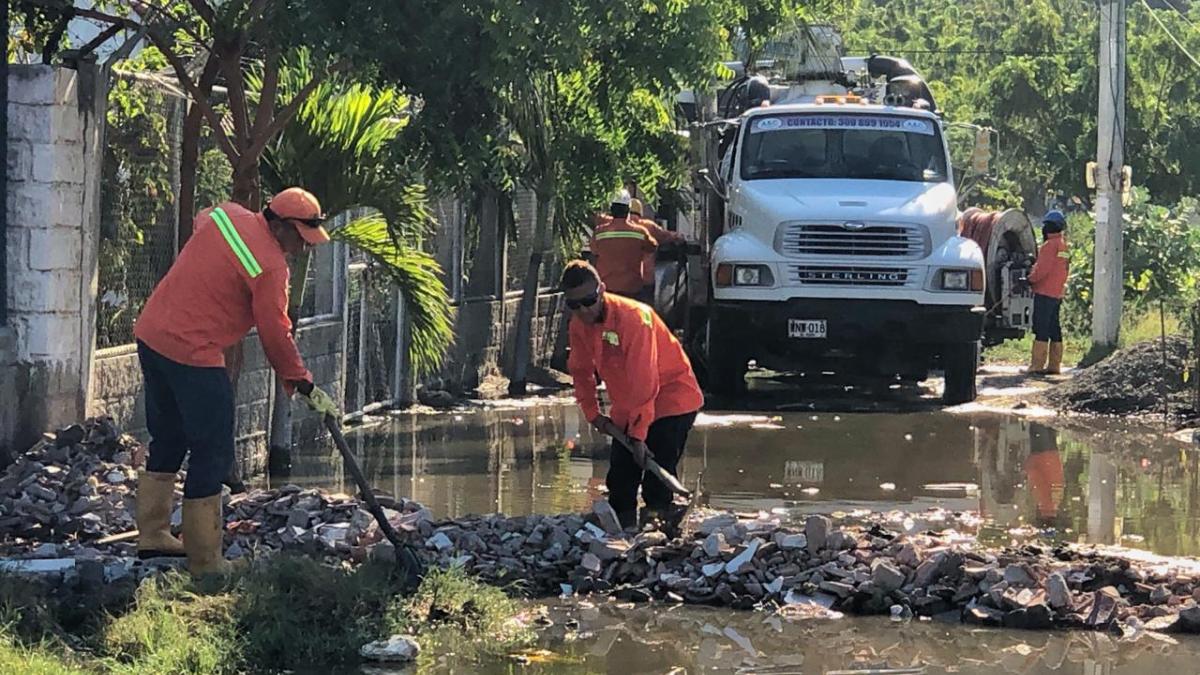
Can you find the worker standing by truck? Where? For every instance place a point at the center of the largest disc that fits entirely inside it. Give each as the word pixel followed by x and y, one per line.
pixel 1049 279
pixel 654 393
pixel 231 276
pixel 662 236
pixel 619 246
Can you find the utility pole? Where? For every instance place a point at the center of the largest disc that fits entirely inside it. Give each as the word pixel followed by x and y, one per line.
pixel 1110 160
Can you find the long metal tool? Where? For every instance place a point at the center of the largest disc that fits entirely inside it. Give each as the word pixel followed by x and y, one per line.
pixel 406 556
pixel 652 466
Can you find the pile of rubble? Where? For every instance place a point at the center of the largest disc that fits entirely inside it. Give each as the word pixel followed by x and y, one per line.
pixel 819 570
pixel 69 501
pixel 1132 381
pixel 71 489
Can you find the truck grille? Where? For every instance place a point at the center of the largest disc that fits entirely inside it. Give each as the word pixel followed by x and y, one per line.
pixel 824 275
pixel 824 239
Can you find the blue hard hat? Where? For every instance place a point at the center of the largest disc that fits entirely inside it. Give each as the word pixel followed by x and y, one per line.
pixel 1054 217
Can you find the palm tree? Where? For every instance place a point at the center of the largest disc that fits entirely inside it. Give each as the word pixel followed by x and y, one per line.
pixel 341 145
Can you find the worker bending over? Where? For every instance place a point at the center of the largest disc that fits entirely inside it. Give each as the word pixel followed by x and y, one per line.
pixel 654 394
pixel 231 276
pixel 619 247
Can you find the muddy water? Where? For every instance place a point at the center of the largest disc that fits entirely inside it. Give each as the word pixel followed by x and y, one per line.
pixel 1066 481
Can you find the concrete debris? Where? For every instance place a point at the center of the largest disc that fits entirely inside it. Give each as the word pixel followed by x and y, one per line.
pixel 872 566
pixel 396 649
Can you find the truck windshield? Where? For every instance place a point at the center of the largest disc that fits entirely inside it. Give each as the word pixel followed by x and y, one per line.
pixel 879 147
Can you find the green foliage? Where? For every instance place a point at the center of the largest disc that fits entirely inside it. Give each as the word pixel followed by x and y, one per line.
pixel 343 145
pixel 17 658
pixel 1028 68
pixel 418 277
pixel 1161 256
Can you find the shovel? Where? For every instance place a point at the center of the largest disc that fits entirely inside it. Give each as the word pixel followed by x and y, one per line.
pixel 652 466
pixel 409 562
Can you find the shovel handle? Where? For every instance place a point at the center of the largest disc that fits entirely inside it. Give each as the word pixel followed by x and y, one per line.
pixel 652 466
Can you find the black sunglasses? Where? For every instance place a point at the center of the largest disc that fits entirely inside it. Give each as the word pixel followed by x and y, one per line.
pixel 585 301
pixel 309 222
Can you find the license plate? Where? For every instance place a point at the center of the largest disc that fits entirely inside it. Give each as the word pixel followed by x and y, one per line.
pixel 807 328
pixel 800 471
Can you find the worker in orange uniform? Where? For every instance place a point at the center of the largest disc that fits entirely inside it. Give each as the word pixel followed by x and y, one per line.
pixel 1049 279
pixel 231 276
pixel 662 236
pixel 654 394
pixel 619 247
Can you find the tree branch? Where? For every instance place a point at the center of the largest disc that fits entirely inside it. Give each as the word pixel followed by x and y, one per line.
pixel 285 115
pixel 199 97
pixel 235 83
pixel 205 12
pixel 266 97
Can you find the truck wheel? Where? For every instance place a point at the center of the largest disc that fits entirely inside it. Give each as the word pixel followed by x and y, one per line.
pixel 960 362
pixel 725 364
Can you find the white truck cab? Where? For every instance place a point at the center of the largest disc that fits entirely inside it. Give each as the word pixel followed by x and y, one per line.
pixel 838 247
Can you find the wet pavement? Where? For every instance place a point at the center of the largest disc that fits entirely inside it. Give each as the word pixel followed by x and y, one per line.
pixel 1069 480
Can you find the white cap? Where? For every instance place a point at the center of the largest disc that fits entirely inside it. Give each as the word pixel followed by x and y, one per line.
pixel 622 197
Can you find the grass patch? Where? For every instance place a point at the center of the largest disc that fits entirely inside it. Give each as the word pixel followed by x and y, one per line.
pixel 1077 349
pixel 288 613
pixel 38 660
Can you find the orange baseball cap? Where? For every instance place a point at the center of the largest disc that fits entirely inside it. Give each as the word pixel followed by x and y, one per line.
pixel 301 208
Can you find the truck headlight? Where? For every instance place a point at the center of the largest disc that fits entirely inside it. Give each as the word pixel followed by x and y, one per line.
pixel 961 280
pixel 956 280
pixel 744 275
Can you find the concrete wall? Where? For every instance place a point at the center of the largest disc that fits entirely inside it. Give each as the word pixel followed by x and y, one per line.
pixel 117 390
pixel 484 332
pixel 55 120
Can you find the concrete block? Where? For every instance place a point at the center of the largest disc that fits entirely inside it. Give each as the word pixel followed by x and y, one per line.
pixel 37 84
pixel 30 123
pixel 57 248
pixel 58 163
pixel 46 292
pixel 53 337
pixel 20 161
pixel 32 205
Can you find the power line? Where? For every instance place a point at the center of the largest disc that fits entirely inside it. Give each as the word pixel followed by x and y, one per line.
pixel 1172 37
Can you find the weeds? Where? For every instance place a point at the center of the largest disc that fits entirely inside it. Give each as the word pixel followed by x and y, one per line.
pixel 288 613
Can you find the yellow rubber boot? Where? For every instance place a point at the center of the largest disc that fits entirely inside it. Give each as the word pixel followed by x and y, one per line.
pixel 155 501
pixel 1037 361
pixel 203 534
pixel 1054 365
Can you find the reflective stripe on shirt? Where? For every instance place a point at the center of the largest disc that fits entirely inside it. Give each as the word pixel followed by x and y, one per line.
pixel 236 243
pixel 619 234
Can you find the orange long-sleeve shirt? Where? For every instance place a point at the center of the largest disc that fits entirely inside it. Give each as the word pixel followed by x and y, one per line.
pixel 211 297
pixel 1049 274
pixel 619 247
pixel 662 236
pixel 648 375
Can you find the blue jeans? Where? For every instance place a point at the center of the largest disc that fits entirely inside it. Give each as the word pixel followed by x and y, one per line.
pixel 189 413
pixel 1046 326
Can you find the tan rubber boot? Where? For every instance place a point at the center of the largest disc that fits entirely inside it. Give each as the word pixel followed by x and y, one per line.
pixel 155 499
pixel 1037 362
pixel 203 533
pixel 1054 366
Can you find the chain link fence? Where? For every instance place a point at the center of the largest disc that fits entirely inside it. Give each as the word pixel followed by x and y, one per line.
pixel 140 182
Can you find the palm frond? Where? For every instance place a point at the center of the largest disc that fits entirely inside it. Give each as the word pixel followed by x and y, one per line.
pixel 418 277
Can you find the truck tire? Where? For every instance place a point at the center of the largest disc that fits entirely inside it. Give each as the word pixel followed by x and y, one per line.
pixel 960 363
pixel 725 364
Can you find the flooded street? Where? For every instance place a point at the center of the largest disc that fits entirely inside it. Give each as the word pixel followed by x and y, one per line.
pixel 1058 480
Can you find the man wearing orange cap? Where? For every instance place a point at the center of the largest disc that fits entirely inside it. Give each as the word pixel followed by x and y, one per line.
pixel 231 276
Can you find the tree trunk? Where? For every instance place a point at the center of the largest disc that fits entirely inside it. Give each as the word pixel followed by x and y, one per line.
pixel 522 345
pixel 189 160
pixel 279 461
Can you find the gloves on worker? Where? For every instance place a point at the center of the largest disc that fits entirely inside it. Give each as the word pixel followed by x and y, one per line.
pixel 321 402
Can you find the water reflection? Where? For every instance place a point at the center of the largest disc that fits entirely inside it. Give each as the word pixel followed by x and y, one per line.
pixel 627 640
pixel 1078 483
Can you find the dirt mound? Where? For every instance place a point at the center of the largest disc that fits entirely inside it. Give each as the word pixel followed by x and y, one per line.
pixel 1132 381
